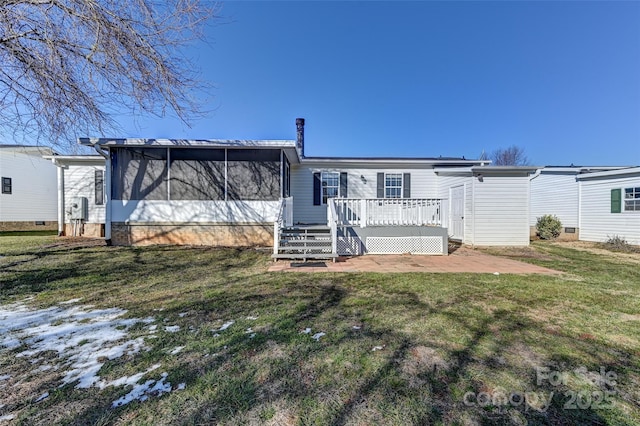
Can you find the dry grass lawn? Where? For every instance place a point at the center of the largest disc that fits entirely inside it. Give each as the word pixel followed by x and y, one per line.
pixel 248 348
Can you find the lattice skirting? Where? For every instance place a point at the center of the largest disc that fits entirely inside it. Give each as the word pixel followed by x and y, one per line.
pixel 398 245
pixel 349 245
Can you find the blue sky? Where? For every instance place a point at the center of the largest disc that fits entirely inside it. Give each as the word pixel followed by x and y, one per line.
pixel 560 79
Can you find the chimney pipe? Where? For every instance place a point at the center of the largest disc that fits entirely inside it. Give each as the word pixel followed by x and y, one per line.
pixel 300 136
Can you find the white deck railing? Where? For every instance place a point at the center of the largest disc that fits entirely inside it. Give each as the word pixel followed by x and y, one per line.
pixel 332 223
pixel 389 211
pixel 284 218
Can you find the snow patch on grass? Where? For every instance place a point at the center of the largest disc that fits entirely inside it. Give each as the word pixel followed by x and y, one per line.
pixel 83 338
pixel 317 336
pixel 43 396
pixel 142 392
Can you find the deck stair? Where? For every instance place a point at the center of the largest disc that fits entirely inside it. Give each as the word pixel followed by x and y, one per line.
pixel 305 242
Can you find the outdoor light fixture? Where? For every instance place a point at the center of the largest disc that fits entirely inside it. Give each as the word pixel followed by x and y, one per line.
pixel 363 179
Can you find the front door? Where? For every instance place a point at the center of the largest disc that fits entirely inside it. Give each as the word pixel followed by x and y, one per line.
pixel 457 213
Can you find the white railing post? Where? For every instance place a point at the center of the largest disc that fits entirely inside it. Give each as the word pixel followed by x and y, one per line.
pixel 332 218
pixel 364 213
pixel 444 213
pixel 288 211
pixel 276 227
pixel 276 237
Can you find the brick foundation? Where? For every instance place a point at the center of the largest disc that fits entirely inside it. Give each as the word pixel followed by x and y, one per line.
pixel 238 235
pixel 93 230
pixel 28 226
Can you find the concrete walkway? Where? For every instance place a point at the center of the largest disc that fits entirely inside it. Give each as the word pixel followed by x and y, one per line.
pixel 461 260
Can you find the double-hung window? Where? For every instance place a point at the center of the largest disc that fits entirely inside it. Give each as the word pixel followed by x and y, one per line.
pixel 7 187
pixel 632 199
pixel 393 185
pixel 330 185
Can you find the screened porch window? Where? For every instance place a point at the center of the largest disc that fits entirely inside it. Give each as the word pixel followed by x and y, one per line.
pixel 139 174
pixel 215 174
pixel 196 174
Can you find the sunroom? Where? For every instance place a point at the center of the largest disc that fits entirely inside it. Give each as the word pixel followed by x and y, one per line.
pixel 201 192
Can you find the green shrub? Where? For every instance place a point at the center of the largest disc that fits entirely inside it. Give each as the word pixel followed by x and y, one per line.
pixel 548 227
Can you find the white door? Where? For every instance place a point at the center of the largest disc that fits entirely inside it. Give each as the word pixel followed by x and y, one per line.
pixel 457 213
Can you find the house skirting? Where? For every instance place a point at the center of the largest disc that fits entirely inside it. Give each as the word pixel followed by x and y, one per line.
pixel 393 240
pixel 29 226
pixel 564 235
pixel 93 230
pixel 201 234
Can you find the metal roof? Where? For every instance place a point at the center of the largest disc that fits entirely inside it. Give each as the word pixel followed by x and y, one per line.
pixel 187 143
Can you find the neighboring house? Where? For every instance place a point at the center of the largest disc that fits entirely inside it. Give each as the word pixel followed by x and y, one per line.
pixel 81 194
pixel 28 197
pixel 554 190
pixel 248 192
pixel 610 205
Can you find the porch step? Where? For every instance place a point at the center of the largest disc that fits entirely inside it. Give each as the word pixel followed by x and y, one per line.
pixel 304 256
pixel 303 235
pixel 305 242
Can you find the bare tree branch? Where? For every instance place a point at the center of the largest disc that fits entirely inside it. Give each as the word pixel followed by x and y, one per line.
pixel 511 156
pixel 66 66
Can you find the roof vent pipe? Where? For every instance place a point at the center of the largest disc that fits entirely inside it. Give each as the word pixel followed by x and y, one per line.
pixel 300 136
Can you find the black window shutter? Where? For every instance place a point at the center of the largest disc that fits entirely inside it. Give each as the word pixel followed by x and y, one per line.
pixel 343 185
pixel 380 185
pixel 616 200
pixel 406 185
pixel 317 189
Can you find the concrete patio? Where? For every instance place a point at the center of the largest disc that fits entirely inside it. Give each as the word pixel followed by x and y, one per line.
pixel 462 260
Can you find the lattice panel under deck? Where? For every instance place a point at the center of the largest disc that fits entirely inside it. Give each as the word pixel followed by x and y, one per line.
pixel 349 246
pixel 398 245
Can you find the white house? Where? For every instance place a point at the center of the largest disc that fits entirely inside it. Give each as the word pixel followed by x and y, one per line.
pixel 554 190
pixel 81 189
pixel 610 205
pixel 28 197
pixel 248 192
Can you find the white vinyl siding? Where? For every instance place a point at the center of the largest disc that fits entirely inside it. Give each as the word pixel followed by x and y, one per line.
pixel 501 211
pixel 34 194
pixel 79 181
pixel 555 193
pixel 597 223
pixel 361 182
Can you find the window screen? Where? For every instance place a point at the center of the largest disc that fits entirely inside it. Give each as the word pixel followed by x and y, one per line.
pixel 197 174
pixel 139 174
pixel 253 174
pixel 99 187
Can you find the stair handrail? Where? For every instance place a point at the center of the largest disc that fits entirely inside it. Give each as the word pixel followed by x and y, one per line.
pixel 332 222
pixel 277 225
